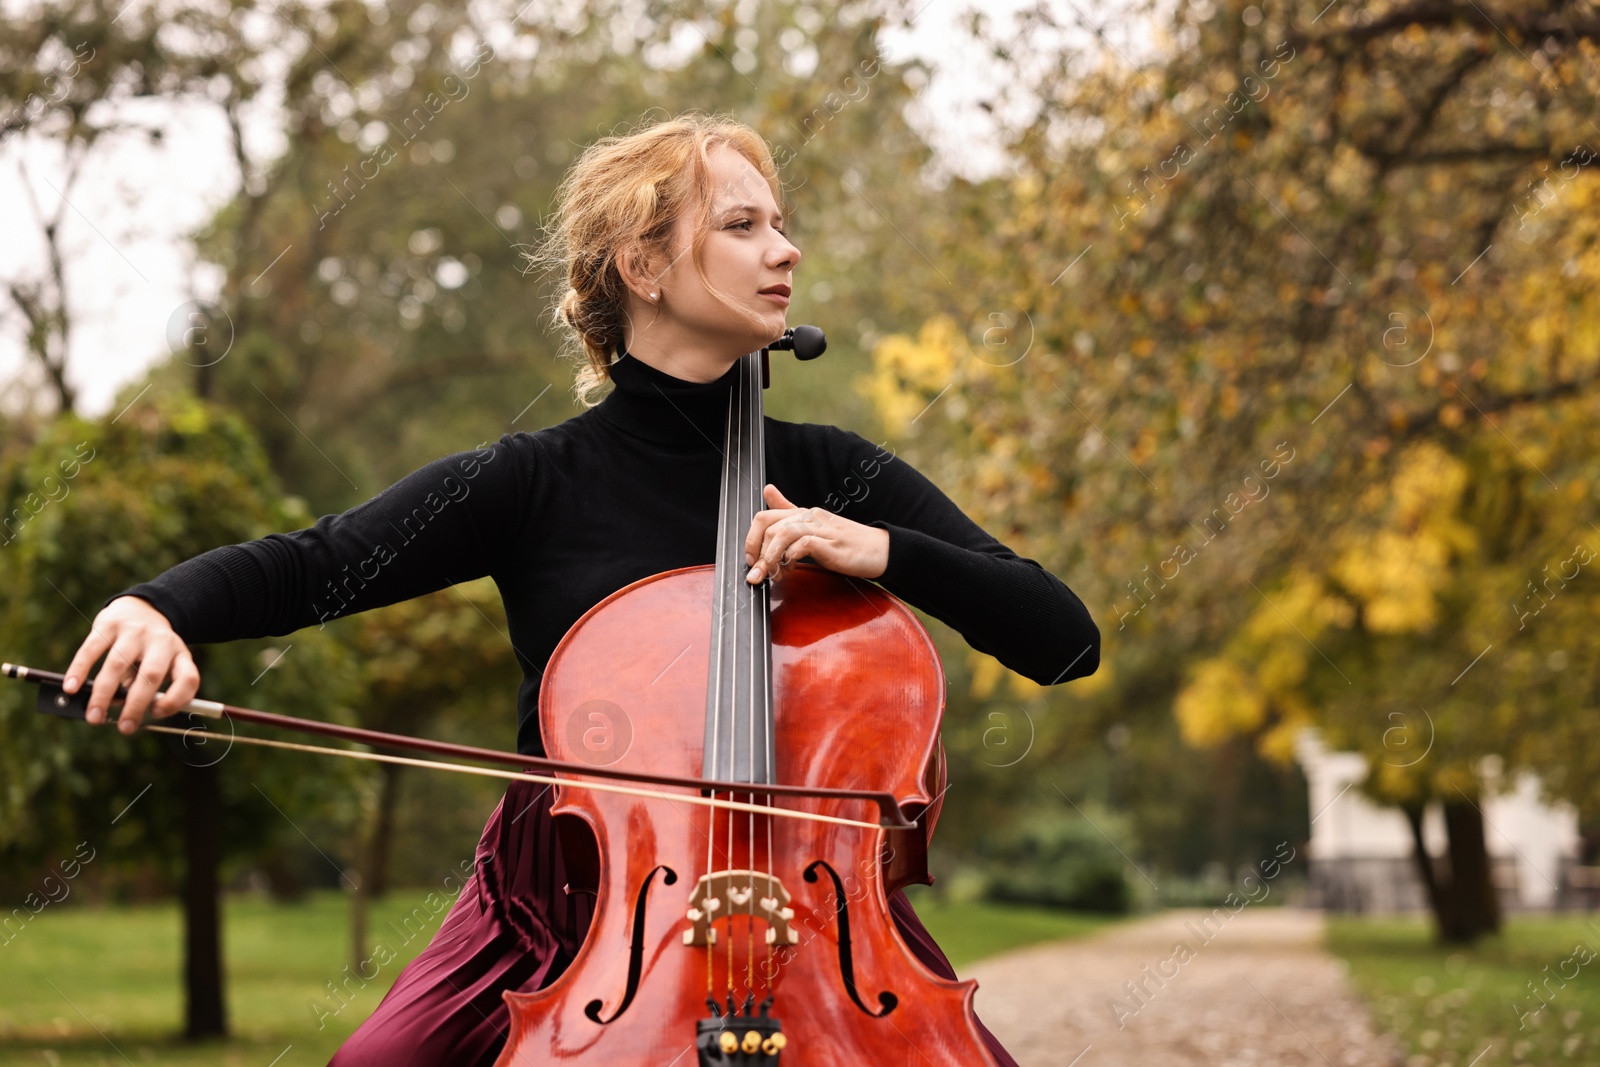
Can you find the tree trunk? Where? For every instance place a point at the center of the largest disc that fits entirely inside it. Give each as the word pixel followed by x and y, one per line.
pixel 358 920
pixel 284 883
pixel 205 1013
pixel 372 880
pixel 1477 907
pixel 381 847
pixel 1419 853
pixel 1225 812
pixel 1462 896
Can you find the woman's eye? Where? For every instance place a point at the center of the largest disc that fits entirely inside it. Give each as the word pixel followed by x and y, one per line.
pixel 747 223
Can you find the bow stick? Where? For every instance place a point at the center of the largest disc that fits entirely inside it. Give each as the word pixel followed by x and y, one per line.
pixel 54 700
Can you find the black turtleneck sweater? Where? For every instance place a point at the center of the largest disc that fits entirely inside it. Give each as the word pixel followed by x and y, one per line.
pixel 565 516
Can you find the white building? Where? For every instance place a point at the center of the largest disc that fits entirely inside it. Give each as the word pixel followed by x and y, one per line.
pixel 1360 854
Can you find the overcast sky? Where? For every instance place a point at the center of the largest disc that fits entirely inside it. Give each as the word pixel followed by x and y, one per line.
pixel 129 266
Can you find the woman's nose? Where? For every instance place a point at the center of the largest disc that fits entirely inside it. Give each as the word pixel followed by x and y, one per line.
pixel 790 254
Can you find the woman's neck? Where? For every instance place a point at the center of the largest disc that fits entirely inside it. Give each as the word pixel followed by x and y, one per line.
pixel 690 363
pixel 662 407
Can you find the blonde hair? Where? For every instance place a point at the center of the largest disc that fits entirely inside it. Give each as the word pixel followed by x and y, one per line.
pixel 624 196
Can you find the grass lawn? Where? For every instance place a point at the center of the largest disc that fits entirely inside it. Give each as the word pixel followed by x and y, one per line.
pixel 83 985
pixel 87 985
pixel 1450 1005
pixel 969 932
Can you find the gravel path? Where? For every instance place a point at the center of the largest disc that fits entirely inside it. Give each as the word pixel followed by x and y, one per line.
pixel 1255 988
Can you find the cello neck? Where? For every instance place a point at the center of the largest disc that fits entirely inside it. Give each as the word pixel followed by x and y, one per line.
pixel 739 719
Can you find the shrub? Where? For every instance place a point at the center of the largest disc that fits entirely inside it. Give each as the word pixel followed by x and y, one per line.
pixel 1060 862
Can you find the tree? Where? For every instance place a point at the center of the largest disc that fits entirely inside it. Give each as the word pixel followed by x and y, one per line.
pixel 67 73
pixel 423 663
pixel 1290 334
pixel 403 283
pixel 95 508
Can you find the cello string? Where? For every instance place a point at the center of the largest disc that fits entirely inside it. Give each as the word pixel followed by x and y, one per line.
pixel 749 423
pixel 741 599
pixel 742 602
pixel 764 653
pixel 711 917
pixel 719 637
pixel 729 724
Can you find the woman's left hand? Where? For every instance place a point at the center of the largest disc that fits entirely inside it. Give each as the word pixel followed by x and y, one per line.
pixel 780 536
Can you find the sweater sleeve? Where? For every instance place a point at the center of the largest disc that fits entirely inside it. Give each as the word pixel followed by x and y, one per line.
pixel 942 562
pixel 450 521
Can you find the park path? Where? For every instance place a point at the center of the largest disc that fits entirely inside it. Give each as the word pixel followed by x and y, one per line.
pixel 1258 988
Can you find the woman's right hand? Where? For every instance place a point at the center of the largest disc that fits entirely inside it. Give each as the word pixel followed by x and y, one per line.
pixel 141 649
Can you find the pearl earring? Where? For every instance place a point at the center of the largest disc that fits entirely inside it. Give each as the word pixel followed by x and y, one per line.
pixel 652 296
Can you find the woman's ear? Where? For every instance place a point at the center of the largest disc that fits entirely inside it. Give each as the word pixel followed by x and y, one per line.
pixel 635 267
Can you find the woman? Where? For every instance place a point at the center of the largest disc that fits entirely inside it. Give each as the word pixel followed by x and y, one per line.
pixel 677 264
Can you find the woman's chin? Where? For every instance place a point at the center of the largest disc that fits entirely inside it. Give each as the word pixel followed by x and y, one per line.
pixel 772 326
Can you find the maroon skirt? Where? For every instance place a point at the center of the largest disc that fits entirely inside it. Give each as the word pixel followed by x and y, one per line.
pixel 514 927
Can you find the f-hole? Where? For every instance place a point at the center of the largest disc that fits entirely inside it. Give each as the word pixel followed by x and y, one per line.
pixel 847 971
pixel 636 949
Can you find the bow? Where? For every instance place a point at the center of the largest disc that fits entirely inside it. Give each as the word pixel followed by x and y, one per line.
pixel 54 700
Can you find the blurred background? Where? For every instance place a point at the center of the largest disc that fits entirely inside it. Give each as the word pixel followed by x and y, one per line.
pixel 1266 326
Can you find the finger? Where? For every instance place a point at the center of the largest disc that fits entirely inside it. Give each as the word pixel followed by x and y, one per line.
pixel 129 676
pixel 760 524
pixel 753 539
pixel 152 672
pixel 185 684
pixel 119 661
pixel 779 537
pixel 798 550
pixel 92 648
pixel 779 508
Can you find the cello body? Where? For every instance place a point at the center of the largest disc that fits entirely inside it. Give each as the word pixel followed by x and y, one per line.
pixel 749 914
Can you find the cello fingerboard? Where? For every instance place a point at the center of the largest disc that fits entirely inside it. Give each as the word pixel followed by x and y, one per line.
pixel 739 721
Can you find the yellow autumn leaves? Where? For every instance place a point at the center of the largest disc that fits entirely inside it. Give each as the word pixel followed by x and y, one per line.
pixel 943 373
pixel 1387 567
pixel 909 372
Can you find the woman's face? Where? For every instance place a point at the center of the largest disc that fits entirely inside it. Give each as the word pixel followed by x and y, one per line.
pixel 745 255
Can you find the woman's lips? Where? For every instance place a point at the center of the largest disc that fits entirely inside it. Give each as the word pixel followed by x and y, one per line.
pixel 779 297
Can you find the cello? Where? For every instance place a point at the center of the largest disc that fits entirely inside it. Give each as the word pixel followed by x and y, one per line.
pixel 750 939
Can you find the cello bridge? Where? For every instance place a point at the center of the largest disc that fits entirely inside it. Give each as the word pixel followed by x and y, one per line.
pixel 738 892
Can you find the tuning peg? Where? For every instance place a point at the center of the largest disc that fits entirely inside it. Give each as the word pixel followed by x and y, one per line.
pixel 807 342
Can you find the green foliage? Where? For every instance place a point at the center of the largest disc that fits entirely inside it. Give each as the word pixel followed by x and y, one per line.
pixel 1161 300
pixel 438 666
pixel 1179 313
pixel 1111 738
pixel 97 508
pixel 1059 862
pixel 401 288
